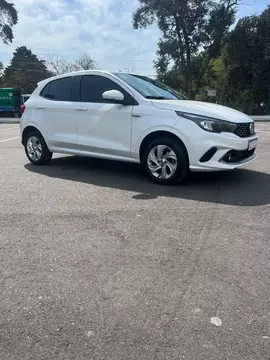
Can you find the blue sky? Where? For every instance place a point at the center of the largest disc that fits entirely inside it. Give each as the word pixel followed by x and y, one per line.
pixel 253 7
pixel 68 28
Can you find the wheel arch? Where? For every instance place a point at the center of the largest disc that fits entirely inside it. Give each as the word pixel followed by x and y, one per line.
pixel 159 133
pixel 27 130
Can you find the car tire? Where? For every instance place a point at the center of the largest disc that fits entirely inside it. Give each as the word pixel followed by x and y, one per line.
pixel 36 149
pixel 165 160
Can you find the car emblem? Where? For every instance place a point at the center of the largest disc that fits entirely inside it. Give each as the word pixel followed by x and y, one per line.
pixel 251 128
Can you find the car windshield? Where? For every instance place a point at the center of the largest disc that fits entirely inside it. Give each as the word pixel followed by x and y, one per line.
pixel 149 88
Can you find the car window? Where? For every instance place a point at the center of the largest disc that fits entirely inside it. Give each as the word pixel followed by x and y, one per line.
pixel 150 88
pixel 59 90
pixel 45 91
pixel 93 86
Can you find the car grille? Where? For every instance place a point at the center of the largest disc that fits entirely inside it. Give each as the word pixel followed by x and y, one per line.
pixel 244 130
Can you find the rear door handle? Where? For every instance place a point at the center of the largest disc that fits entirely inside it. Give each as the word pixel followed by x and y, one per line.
pixel 81 109
pixel 41 107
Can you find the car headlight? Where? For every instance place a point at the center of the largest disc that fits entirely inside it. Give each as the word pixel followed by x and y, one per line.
pixel 208 123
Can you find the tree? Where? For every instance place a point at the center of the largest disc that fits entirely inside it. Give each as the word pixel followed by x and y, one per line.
pixel 25 70
pixel 1 73
pixel 8 18
pixel 58 65
pixel 249 50
pixel 61 66
pixel 172 78
pixel 187 26
pixel 240 72
pixel 85 62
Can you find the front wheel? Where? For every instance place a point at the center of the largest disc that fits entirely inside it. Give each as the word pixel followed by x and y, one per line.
pixel 36 149
pixel 166 161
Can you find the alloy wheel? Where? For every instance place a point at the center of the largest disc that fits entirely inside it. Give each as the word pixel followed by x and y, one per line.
pixel 34 148
pixel 162 162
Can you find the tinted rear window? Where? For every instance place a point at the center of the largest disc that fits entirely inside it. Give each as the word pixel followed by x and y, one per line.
pixel 58 90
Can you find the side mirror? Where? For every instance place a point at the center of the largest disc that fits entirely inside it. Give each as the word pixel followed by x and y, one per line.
pixel 114 96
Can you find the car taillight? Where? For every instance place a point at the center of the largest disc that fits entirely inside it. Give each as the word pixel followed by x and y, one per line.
pixel 22 108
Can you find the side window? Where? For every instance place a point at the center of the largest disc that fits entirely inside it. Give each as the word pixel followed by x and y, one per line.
pixel 59 90
pixel 93 86
pixel 45 91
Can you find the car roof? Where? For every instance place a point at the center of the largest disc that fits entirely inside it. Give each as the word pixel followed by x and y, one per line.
pixel 74 73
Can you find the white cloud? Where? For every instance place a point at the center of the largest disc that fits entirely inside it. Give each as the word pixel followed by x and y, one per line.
pixel 71 27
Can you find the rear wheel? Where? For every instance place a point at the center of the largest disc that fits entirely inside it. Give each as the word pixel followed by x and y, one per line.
pixel 36 149
pixel 166 161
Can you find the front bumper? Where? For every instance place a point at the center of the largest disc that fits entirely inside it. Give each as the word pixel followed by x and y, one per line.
pixel 213 152
pixel 223 152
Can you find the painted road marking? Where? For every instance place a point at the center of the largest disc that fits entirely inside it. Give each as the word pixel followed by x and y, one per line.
pixel 10 128
pixel 264 131
pixel 17 137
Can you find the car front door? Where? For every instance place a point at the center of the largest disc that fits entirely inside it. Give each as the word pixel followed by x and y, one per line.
pixel 56 108
pixel 103 128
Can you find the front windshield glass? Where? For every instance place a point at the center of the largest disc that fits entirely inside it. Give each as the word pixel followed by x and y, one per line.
pixel 149 88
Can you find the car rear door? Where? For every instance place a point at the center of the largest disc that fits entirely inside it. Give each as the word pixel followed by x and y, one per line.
pixel 55 107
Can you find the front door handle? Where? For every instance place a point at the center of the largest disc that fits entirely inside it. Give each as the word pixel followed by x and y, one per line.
pixel 81 109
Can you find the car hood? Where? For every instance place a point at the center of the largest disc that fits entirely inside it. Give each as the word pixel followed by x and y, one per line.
pixel 203 108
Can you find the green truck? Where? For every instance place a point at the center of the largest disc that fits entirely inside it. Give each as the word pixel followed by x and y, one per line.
pixel 10 102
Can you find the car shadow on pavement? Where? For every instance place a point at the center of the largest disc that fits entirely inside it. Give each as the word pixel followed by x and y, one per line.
pixel 240 187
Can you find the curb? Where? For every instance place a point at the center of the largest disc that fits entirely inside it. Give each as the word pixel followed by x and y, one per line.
pixel 261 118
pixel 268 120
pixel 9 122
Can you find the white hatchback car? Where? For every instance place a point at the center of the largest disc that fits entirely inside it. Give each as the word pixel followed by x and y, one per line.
pixel 133 118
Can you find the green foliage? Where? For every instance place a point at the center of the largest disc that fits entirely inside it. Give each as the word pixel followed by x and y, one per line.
pixel 236 63
pixel 187 26
pixel 248 51
pixel 8 18
pixel 25 71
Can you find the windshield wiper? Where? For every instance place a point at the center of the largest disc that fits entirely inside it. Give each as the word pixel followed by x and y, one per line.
pixel 156 97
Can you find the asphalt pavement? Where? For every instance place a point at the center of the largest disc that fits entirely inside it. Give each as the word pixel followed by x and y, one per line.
pixel 97 262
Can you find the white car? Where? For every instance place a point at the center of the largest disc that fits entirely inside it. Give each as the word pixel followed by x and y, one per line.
pixel 133 118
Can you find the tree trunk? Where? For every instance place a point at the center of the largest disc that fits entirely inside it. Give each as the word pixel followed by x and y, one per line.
pixel 188 53
pixel 184 67
pixel 189 78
